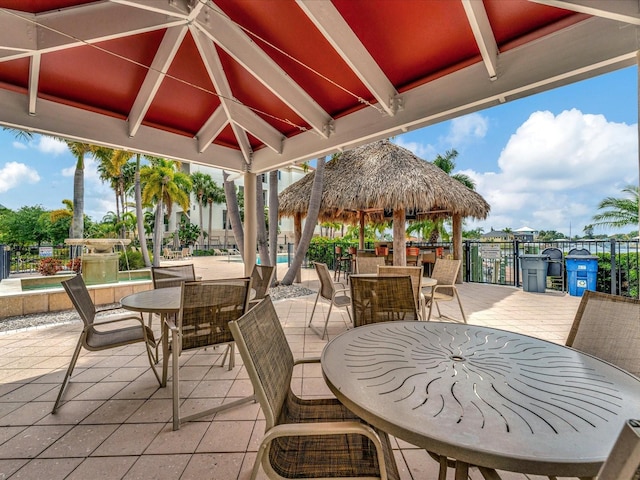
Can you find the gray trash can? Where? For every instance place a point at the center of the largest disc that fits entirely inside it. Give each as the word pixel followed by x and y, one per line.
pixel 534 272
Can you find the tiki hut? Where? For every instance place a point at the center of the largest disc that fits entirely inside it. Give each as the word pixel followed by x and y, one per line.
pixel 382 177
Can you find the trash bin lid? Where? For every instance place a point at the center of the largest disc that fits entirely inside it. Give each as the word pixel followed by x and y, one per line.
pixel 579 252
pixel 581 257
pixel 539 256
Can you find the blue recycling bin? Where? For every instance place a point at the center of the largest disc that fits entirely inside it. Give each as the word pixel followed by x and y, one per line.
pixel 582 273
pixel 534 272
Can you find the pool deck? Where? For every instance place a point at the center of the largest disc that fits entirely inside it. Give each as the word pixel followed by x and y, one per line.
pixel 116 422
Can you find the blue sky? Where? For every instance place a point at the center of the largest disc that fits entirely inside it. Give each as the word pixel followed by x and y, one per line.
pixel 544 161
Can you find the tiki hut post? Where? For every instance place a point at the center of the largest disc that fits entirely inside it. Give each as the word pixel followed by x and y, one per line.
pixel 399 237
pixel 361 236
pixel 457 242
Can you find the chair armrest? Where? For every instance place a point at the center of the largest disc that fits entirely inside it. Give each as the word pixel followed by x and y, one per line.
pixel 323 428
pixel 339 290
pixel 118 318
pixel 307 360
pixel 171 324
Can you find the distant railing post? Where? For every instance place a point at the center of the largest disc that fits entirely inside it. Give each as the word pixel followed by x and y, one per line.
pixel 516 261
pixel 614 274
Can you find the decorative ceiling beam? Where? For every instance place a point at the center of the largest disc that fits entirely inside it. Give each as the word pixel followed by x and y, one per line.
pixel 34 76
pixel 481 28
pixel 94 128
pixel 85 24
pixel 336 30
pixel 237 112
pixel 211 129
pixel 233 40
pixel 626 11
pixel 155 75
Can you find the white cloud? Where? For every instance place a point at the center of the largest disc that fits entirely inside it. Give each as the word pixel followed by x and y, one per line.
pixel 470 126
pixel 51 145
pixel 13 174
pixel 556 168
pixel 426 152
pixel 18 145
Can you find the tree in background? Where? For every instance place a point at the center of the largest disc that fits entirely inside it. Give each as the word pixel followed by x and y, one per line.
pixel 201 183
pixel 619 212
pixel 112 169
pixel 163 185
pixel 213 194
pixel 78 150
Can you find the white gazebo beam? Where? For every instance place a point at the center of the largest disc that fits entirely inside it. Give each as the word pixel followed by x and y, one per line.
pixel 211 129
pixel 237 112
pixel 34 76
pixel 336 30
pixel 233 40
pixel 85 24
pixel 486 41
pixel 155 75
pixel 626 11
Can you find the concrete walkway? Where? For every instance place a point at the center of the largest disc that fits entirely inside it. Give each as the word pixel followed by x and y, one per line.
pixel 116 422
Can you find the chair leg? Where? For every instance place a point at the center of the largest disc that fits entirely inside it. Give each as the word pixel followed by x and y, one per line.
pixel 430 308
pixel 152 361
pixel 314 308
pixel 67 376
pixel 230 351
pixel 175 384
pixel 326 322
pixel 464 317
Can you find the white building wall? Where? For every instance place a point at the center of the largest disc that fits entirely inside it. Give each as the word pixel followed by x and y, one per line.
pixel 288 176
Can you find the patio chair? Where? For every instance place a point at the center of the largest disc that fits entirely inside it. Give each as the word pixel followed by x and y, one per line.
pixel 445 271
pixel 304 438
pixel 382 299
pixel 368 264
pixel 206 308
pixel 186 253
pixel 168 254
pixel 608 327
pixel 333 292
pixel 172 275
pixel 623 462
pixel 261 278
pixel 98 339
pixel 413 256
pixel 416 280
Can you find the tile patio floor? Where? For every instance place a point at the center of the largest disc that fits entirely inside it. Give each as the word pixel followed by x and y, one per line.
pixel 116 422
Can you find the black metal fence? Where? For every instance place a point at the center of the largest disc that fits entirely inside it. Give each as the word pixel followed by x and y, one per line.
pixel 499 262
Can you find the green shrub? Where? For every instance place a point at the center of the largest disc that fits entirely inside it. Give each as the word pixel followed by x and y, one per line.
pixel 134 258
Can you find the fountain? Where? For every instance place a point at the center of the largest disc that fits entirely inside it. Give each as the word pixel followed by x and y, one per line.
pixel 100 262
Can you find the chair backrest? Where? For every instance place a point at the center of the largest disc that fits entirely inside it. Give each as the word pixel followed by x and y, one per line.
pixel 261 277
pixel 207 307
pixel 608 327
pixel 414 272
pixel 368 264
pixel 267 357
pixel 623 462
pixel 445 271
pixel 79 295
pixel 326 283
pixel 382 299
pixel 172 276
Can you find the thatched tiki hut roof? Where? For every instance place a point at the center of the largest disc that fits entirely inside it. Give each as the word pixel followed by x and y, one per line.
pixel 383 176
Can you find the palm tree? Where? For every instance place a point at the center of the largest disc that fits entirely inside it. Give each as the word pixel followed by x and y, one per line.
pixel 201 183
pixel 164 185
pixel 309 224
pixel 142 237
pixel 234 217
pixel 213 194
pixel 273 220
pixel 112 169
pixel 619 212
pixel 447 164
pixel 78 150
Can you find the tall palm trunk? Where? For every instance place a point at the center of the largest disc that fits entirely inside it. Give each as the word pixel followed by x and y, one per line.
pixel 201 236
pixel 309 224
pixel 78 199
pixel 210 204
pixel 273 220
pixel 233 212
pixel 263 246
pixel 140 217
pixel 158 233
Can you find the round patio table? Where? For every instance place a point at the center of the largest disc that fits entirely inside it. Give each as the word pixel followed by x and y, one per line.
pixel 483 396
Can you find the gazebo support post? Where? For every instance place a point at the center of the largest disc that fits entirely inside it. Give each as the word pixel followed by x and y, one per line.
pixel 361 236
pixel 399 240
pixel 297 235
pixel 457 241
pixel 250 223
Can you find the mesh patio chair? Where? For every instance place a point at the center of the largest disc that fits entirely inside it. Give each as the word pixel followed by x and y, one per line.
pixel 608 327
pixel 413 256
pixel 445 271
pixel 382 299
pixel 304 438
pixel 333 292
pixel 368 264
pixel 97 339
pixel 261 278
pixel 206 308
pixel 623 462
pixel 416 280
